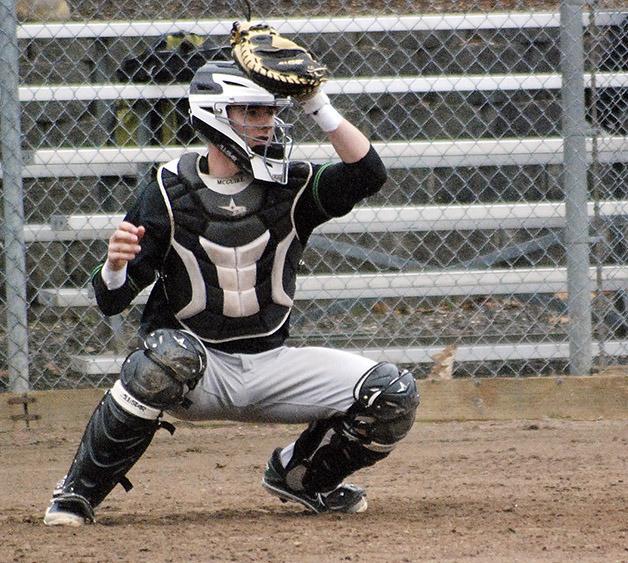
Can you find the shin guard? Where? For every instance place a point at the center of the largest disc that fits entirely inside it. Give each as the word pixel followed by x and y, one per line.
pixel 325 454
pixel 330 450
pixel 112 442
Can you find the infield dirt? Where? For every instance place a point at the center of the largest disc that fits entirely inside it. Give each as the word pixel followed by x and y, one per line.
pixel 488 491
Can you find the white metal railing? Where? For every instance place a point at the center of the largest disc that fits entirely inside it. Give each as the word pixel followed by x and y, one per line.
pixel 105 364
pixel 347 86
pixel 444 22
pixel 404 284
pixel 116 161
pixel 412 218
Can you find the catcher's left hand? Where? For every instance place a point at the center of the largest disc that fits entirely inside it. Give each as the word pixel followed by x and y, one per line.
pixel 274 62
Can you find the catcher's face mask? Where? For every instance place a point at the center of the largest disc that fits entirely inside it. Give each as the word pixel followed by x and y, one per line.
pixel 234 114
pixel 267 138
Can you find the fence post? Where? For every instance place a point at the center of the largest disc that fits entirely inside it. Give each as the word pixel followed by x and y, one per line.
pixel 15 249
pixel 575 187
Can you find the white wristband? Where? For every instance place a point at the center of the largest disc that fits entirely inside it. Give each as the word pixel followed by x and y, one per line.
pixel 322 112
pixel 113 279
pixel 327 118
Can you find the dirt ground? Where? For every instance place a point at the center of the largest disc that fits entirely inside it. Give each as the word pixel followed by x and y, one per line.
pixel 529 490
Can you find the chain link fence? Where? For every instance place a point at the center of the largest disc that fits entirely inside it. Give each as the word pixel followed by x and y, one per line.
pixel 499 241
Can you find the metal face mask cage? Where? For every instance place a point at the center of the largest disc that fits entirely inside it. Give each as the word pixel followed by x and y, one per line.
pixel 269 156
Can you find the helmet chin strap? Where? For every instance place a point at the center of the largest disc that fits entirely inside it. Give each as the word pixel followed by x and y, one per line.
pixel 233 154
pixel 220 164
pixel 224 144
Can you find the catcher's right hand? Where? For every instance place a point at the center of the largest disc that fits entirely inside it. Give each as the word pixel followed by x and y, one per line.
pixel 274 62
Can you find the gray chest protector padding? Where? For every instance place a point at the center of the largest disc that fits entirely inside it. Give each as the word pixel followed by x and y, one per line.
pixel 231 270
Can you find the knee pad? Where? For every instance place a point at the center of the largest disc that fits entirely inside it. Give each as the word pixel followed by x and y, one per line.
pixel 385 406
pixel 158 376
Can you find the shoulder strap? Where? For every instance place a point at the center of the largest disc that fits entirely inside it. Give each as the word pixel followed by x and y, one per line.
pixel 162 188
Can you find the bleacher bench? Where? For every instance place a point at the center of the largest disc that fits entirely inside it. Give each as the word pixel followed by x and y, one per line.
pixel 129 161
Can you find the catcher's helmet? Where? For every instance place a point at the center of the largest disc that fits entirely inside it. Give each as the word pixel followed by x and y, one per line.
pixel 217 85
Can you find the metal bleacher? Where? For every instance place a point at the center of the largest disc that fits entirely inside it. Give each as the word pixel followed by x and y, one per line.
pixel 124 161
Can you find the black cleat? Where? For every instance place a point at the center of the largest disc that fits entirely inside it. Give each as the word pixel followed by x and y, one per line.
pixel 68 510
pixel 345 498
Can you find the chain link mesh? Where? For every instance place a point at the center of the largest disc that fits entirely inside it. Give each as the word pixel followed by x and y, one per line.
pixel 464 247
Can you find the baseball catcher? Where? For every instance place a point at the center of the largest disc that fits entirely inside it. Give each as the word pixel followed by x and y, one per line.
pixel 221 235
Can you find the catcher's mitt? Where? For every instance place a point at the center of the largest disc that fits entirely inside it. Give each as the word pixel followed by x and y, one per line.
pixel 274 62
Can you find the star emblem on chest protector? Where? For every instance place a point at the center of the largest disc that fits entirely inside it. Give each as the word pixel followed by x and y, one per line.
pixel 234 209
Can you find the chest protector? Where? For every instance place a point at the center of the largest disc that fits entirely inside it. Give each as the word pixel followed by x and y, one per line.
pixel 231 269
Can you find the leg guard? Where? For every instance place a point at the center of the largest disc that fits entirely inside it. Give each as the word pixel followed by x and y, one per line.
pixel 330 450
pixel 124 423
pixel 113 441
